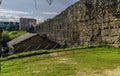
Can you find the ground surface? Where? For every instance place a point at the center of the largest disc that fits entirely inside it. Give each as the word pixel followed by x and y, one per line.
pixel 100 61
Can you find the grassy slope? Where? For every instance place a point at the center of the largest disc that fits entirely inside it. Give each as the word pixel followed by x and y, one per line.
pixel 12 34
pixel 69 63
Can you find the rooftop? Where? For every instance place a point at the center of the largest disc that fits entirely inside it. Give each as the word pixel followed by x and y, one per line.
pixel 21 38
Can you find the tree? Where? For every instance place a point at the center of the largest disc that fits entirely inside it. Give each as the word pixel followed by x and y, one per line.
pixel 0 39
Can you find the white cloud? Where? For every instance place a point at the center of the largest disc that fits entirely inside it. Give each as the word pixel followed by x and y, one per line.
pixel 43 11
pixel 10 15
pixel 50 13
pixel 12 12
pixel 39 19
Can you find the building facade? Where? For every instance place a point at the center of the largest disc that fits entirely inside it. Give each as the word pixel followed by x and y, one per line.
pixel 27 24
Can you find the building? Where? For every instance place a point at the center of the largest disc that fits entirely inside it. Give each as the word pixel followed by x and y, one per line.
pixel 30 41
pixel 9 26
pixel 27 24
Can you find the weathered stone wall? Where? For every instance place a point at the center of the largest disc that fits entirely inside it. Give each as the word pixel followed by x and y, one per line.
pixel 87 22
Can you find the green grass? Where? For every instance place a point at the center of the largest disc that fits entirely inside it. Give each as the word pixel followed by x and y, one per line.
pixel 12 34
pixel 62 62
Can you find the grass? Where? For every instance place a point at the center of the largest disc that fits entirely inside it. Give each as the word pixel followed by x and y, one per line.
pixel 12 34
pixel 62 62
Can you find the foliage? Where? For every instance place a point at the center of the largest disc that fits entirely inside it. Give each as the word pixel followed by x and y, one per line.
pixel 12 34
pixel 9 26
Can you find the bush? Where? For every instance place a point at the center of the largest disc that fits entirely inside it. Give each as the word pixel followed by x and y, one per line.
pixel 6 35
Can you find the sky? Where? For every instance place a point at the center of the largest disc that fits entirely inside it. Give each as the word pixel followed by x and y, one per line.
pixel 12 10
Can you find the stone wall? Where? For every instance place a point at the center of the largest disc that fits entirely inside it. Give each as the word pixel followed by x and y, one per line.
pixel 34 43
pixel 86 23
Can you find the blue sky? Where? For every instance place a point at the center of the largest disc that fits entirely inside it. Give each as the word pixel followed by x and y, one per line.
pixel 12 10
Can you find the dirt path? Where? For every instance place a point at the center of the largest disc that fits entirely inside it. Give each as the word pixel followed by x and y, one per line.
pixel 114 72
pixel 88 72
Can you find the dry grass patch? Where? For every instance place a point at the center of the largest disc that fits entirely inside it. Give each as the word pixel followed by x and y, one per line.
pixel 113 72
pixel 91 72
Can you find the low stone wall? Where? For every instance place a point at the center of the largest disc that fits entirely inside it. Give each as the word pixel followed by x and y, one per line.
pixel 35 43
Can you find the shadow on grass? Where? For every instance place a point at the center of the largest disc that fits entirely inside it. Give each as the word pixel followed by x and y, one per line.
pixel 41 52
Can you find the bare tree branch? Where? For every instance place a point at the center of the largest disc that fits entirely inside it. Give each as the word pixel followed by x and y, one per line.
pixel 0 1
pixel 35 4
pixel 49 1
